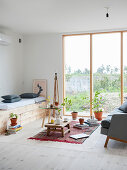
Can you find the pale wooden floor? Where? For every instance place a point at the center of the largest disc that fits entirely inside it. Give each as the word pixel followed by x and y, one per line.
pixel 19 153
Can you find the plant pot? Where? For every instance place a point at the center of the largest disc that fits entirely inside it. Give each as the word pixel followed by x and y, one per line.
pixel 98 115
pixel 81 121
pixel 56 103
pixel 13 121
pixel 51 105
pixel 74 115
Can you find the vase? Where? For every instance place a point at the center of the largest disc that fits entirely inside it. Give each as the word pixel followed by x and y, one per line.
pixel 57 121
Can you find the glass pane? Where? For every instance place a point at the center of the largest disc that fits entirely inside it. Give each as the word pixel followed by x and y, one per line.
pixel 77 72
pixel 106 69
pixel 125 64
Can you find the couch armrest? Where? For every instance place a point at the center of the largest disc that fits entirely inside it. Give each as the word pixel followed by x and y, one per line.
pixel 118 126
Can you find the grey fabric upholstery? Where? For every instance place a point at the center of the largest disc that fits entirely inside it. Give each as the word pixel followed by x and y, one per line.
pixel 115 125
pixel 118 127
pixel 124 107
pixel 106 123
pixel 104 131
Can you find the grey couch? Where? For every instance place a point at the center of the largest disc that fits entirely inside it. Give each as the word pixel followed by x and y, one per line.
pixel 115 126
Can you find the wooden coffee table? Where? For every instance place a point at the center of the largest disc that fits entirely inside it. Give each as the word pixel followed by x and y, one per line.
pixel 58 128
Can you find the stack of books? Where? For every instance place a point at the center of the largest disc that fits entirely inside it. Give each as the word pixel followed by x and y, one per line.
pixel 79 126
pixel 14 129
pixel 92 122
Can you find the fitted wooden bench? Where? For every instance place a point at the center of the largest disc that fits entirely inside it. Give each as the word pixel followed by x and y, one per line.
pixel 25 114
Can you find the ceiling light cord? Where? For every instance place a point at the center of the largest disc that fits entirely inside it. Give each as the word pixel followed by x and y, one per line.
pixel 107 13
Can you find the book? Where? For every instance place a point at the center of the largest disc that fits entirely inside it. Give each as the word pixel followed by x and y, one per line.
pixel 14 129
pixel 17 129
pixel 79 136
pixel 92 123
pixel 10 131
pixel 78 125
pixel 16 126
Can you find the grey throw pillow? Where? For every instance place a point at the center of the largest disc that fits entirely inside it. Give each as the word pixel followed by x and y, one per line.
pixel 12 100
pixel 29 95
pixel 8 97
pixel 123 107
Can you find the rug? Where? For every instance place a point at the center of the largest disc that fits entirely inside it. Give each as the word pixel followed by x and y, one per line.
pixel 56 136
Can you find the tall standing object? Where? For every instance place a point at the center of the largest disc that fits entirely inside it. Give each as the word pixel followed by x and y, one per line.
pixel 56 93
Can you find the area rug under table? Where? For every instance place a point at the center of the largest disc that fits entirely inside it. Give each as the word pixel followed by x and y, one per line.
pixel 57 137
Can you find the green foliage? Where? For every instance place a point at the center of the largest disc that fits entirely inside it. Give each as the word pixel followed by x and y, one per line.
pixel 107 83
pixel 106 79
pixel 12 115
pixel 78 102
pixel 97 102
pixel 67 103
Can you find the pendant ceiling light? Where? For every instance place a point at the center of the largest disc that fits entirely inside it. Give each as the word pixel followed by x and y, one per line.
pixel 107 12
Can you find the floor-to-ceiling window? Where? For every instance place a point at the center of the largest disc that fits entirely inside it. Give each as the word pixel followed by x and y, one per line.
pixel 103 51
pixel 77 72
pixel 106 69
pixel 125 66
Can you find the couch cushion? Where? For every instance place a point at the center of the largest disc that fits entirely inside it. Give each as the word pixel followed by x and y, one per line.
pixel 116 111
pixel 106 123
pixel 123 107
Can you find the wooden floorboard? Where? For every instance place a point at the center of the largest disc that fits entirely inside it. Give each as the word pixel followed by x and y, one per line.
pixel 17 152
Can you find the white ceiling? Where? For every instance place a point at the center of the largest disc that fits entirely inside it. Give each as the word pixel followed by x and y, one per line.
pixel 39 16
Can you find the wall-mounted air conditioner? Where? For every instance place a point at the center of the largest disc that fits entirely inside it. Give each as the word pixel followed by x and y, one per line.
pixel 4 39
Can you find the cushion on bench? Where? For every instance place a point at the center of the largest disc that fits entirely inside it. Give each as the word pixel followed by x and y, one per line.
pixel 12 100
pixel 9 97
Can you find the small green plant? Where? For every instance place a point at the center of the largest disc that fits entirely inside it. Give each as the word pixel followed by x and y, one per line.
pixel 12 115
pixel 67 103
pixel 97 102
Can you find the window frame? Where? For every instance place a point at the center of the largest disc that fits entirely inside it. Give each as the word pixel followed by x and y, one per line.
pixel 91 64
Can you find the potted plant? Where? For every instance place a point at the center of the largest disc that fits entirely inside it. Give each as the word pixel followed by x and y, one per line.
pixel 97 104
pixel 13 118
pixel 56 103
pixel 68 104
pixel 81 121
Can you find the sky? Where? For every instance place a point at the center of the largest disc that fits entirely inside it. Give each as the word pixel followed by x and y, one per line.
pixel 106 50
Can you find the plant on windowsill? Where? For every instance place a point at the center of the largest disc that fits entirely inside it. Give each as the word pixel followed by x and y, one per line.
pixel 97 105
pixel 13 118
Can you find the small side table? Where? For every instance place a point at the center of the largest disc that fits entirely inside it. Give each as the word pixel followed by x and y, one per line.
pixel 58 128
pixel 49 109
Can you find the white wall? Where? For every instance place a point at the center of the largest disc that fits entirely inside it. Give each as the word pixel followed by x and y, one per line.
pixel 42 58
pixel 11 66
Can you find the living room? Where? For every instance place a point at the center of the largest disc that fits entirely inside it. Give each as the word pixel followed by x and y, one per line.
pixel 43 37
